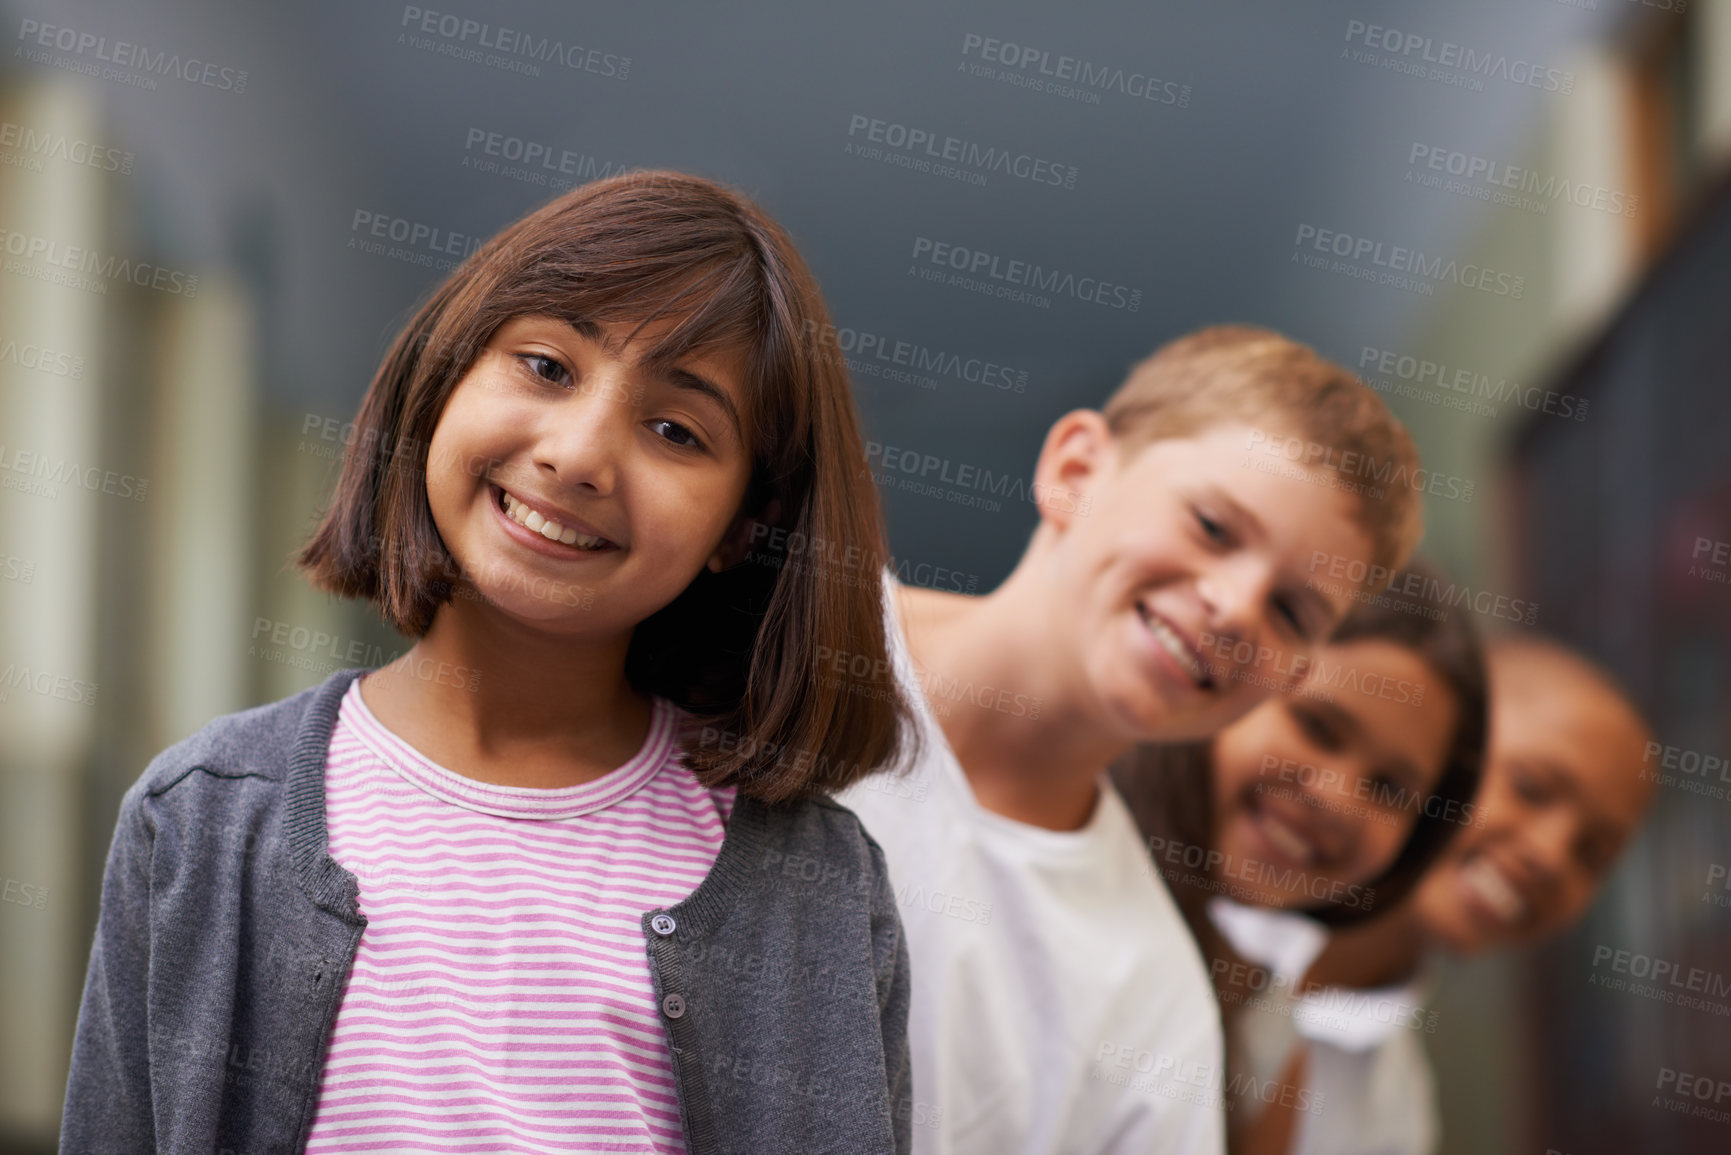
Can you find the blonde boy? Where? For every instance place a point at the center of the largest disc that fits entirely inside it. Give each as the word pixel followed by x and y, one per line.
pixel 1059 1004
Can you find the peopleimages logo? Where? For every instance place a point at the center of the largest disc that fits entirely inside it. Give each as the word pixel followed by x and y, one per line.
pixel 1196 1083
pixel 926 150
pixel 1331 460
pixel 26 143
pixel 46 683
pixel 86 48
pixel 532 161
pixel 447 34
pixel 994 275
pixel 42 474
pixel 1509 184
pixel 1445 61
pixel 87 268
pixel 417 243
pixel 33 356
pixel 962 483
pixel 1662 980
pixel 1369 259
pixel 1411 376
pixel 1067 76
pixel 1409 591
pixel 879 355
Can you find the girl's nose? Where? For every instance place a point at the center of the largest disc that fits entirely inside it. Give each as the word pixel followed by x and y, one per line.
pixel 584 440
pixel 1332 811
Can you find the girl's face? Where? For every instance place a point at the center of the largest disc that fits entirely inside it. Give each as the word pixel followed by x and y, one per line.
pixel 1317 792
pixel 579 489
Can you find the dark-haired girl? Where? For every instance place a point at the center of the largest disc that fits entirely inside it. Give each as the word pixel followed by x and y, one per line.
pixel 564 877
pixel 1318 810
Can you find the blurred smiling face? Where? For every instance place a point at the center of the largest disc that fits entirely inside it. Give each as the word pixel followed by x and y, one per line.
pixel 1183 573
pixel 1328 784
pixel 1562 795
pixel 580 489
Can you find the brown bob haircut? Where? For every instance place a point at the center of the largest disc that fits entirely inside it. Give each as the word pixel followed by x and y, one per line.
pixel 740 649
pixel 1243 373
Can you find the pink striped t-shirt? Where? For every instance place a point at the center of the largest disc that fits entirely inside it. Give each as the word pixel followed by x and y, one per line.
pixel 500 996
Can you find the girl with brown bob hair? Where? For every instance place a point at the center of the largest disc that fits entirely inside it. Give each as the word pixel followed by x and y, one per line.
pixel 566 875
pixel 739 647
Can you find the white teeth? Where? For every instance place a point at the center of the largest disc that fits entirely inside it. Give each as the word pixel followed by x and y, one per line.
pixel 547 528
pixel 1492 885
pixel 1173 645
pixel 1287 840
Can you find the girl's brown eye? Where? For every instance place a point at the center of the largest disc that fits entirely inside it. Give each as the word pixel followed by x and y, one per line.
pixel 545 368
pixel 1285 608
pixel 675 432
pixel 1316 729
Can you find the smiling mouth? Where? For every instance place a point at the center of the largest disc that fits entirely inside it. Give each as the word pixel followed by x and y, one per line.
pixel 1285 837
pixel 1173 644
pixel 552 530
pixel 1495 890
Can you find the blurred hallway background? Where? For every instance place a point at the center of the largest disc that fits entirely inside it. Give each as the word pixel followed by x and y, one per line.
pixel 213 218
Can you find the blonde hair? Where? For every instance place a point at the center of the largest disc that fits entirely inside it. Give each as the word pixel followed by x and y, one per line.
pixel 1257 376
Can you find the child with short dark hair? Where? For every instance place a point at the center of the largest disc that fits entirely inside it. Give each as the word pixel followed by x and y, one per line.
pixel 1566 785
pixel 1318 810
pixel 498 895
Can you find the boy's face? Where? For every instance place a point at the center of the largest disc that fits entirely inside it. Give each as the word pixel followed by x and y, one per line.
pixel 1562 794
pixel 640 470
pixel 1324 785
pixel 1180 572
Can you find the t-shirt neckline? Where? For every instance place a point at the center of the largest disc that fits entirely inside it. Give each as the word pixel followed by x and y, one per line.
pixel 1080 840
pixel 523 802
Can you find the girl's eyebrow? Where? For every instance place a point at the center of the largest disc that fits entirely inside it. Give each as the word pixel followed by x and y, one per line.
pixel 682 378
pixel 1345 719
pixel 677 376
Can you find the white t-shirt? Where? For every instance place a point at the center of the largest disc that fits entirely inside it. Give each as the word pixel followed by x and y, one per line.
pixel 1060 1004
pixel 1369 1079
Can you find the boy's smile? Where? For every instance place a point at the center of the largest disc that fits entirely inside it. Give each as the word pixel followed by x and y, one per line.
pixel 1185 585
pixel 1182 655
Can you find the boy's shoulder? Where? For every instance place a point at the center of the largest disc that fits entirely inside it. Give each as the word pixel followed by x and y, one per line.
pixel 258 742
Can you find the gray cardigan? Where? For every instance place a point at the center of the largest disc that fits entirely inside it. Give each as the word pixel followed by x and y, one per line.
pixel 227 931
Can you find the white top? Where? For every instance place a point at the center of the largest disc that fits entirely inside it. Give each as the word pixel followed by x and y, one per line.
pixel 1368 1075
pixel 1060 1004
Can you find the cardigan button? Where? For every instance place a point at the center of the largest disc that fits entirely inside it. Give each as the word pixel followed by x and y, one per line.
pixel 673 1006
pixel 662 924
